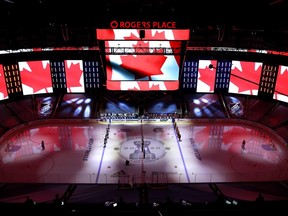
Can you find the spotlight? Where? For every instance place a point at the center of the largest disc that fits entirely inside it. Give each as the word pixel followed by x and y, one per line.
pixel 185 203
pixel 155 204
pixel 228 202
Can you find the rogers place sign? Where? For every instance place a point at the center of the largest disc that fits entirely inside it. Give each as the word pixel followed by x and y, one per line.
pixel 142 24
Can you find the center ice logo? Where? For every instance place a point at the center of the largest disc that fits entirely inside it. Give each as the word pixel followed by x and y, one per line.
pixel 142 150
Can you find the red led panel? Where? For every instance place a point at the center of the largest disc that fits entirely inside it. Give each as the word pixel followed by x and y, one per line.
pixel 245 77
pixel 3 89
pixel 74 76
pixel 206 76
pixel 35 77
pixel 281 90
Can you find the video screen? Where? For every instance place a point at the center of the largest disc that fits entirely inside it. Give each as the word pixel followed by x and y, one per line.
pixel 145 34
pixel 281 90
pixel 206 76
pixel 35 77
pixel 3 89
pixel 74 76
pixel 144 68
pixel 143 64
pixel 245 77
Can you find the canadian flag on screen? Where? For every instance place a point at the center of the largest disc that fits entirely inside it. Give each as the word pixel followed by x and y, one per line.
pixel 156 70
pixel 35 77
pixel 245 77
pixel 74 76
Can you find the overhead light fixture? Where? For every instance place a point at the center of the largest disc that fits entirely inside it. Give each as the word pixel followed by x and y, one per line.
pixel 8 1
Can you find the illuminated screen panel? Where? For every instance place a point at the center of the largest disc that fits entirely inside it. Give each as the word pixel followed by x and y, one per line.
pixel 223 71
pixel 92 75
pixel 206 76
pixel 147 34
pixel 190 73
pixel 58 76
pixel 35 77
pixel 268 80
pixel 146 59
pixel 281 90
pixel 3 89
pixel 74 76
pixel 13 80
pixel 142 85
pixel 245 77
pixel 143 67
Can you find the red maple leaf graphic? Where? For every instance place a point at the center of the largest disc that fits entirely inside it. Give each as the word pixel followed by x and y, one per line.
pixel 38 78
pixel 113 85
pixel 207 75
pixel 79 137
pixel 145 86
pixel 244 84
pixel 201 135
pixel 248 78
pixel 3 89
pixel 73 74
pixel 282 80
pixel 148 34
pixel 143 65
pixel 235 134
pixel 50 135
pixel 142 85
pixel 154 87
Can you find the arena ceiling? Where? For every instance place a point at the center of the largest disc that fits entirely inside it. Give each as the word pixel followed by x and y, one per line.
pixel 239 23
